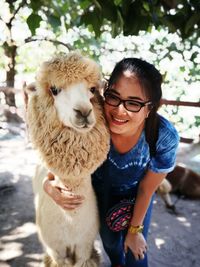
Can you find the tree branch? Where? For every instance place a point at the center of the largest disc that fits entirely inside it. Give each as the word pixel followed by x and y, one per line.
pixel 16 11
pixel 170 3
pixel 2 20
pixel 35 39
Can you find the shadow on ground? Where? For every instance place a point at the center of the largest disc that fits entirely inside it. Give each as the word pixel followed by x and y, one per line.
pixel 173 239
pixel 19 243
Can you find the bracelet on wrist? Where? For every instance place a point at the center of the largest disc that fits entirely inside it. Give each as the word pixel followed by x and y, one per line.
pixel 135 229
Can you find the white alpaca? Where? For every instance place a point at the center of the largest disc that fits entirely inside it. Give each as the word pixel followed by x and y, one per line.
pixel 67 126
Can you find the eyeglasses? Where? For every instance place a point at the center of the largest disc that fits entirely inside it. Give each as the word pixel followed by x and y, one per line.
pixel 130 105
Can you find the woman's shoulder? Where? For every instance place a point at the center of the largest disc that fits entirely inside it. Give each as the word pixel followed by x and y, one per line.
pixel 166 147
pixel 167 131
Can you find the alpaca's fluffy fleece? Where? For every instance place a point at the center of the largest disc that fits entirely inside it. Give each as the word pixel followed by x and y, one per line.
pixel 65 151
pixel 72 155
pixel 57 72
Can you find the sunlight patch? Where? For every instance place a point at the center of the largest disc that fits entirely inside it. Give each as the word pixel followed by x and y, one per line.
pixel 184 221
pixel 14 248
pixel 21 232
pixel 159 242
pixel 154 224
pixel 196 158
pixel 181 219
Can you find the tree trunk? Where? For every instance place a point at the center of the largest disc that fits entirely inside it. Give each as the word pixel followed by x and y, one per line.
pixel 10 52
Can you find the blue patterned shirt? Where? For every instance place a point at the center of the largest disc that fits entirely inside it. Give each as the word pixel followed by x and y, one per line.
pixel 124 171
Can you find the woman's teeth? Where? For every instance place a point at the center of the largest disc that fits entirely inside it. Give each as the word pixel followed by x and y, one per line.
pixel 119 120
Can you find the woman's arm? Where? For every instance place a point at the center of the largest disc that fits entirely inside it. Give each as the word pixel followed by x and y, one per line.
pixel 147 187
pixel 61 194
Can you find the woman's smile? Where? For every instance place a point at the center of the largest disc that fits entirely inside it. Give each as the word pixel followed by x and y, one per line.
pixel 118 121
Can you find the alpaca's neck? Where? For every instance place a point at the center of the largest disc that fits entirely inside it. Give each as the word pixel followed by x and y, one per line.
pixel 78 185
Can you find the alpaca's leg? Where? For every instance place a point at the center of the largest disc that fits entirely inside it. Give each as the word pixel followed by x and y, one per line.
pixel 48 262
pixel 58 260
pixel 87 256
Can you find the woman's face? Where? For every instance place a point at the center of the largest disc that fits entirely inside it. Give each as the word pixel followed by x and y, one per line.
pixel 120 120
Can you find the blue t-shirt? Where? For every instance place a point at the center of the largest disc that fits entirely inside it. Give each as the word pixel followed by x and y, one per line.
pixel 123 172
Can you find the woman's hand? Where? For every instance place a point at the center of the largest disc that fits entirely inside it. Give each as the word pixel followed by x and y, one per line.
pixel 137 244
pixel 61 194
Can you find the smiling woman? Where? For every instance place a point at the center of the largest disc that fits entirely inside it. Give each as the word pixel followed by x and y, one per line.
pixel 132 98
pixel 131 115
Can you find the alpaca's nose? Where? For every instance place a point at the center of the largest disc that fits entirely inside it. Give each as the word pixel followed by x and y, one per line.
pixel 82 113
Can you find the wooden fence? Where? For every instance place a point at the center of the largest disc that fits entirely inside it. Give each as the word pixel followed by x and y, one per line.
pixel 182 103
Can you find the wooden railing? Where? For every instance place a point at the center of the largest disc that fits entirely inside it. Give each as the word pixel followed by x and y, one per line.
pixel 181 103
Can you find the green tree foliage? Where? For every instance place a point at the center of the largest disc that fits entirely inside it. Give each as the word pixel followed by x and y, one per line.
pixel 117 16
pixel 129 17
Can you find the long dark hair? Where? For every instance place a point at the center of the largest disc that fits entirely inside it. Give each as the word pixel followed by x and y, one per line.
pixel 150 80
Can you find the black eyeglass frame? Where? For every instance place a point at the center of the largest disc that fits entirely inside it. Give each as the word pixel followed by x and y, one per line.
pixel 141 104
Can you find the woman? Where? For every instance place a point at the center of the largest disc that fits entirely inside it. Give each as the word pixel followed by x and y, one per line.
pixel 143 151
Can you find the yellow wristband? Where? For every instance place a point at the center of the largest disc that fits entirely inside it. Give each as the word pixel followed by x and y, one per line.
pixel 135 229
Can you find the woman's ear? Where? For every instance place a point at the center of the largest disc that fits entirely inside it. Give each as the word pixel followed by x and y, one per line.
pixel 149 110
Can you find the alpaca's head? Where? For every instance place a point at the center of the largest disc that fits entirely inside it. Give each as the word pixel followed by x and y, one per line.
pixel 65 116
pixel 70 82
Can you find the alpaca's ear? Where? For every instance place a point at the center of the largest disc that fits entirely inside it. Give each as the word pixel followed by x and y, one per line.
pixel 28 90
pixel 102 86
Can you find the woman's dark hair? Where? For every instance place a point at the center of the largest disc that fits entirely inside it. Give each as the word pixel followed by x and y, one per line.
pixel 150 80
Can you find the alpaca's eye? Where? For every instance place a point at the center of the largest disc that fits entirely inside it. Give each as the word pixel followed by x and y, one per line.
pixel 55 91
pixel 92 90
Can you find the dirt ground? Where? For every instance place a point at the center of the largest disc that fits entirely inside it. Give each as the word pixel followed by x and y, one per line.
pixel 174 240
